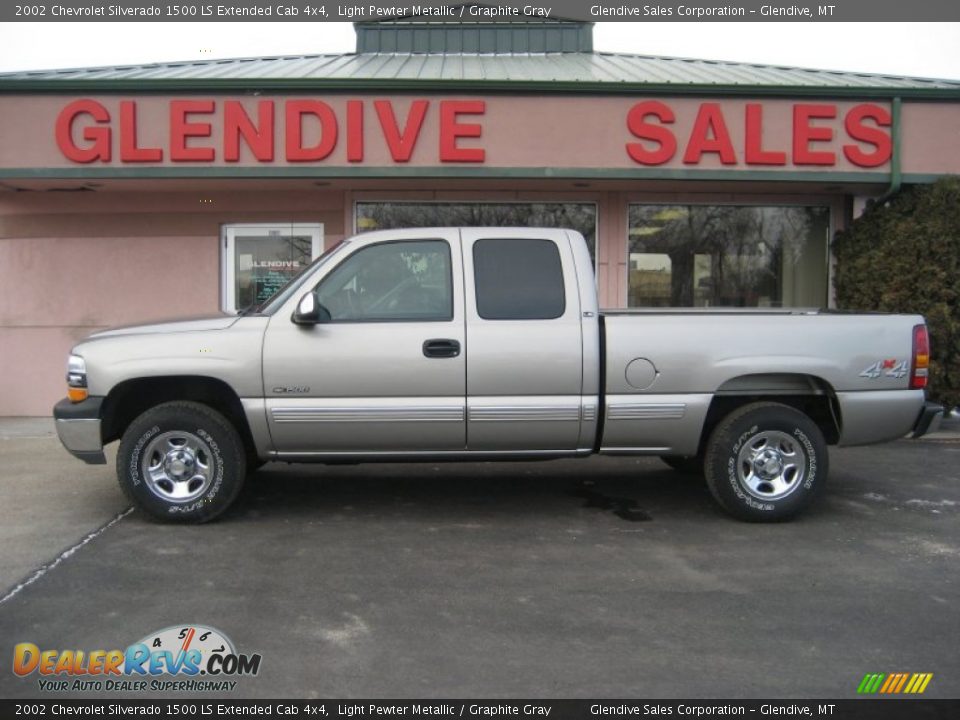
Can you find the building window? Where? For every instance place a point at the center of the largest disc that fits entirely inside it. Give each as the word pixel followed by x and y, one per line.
pixel 408 280
pixel 727 256
pixel 581 217
pixel 518 279
pixel 259 259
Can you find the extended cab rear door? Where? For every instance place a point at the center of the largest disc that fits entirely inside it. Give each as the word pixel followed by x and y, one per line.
pixel 524 342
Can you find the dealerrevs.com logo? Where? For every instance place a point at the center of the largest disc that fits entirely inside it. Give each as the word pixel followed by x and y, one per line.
pixel 177 658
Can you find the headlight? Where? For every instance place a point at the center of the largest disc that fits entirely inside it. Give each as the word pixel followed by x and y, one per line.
pixel 76 378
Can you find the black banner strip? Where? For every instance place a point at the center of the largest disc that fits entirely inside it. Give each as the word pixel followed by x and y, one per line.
pixel 448 11
pixel 860 709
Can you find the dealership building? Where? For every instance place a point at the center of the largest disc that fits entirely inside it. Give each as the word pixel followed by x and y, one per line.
pixel 133 193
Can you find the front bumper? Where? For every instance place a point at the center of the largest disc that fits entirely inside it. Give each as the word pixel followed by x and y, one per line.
pixel 929 420
pixel 78 426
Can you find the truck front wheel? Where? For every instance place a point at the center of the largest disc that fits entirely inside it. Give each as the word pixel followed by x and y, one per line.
pixel 181 462
pixel 766 462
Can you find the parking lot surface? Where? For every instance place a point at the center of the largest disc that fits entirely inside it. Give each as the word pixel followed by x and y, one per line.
pixel 606 577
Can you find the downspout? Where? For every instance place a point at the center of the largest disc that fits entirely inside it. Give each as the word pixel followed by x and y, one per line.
pixel 895 174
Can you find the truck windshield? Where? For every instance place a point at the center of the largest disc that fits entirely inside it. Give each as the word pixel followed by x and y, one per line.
pixel 280 297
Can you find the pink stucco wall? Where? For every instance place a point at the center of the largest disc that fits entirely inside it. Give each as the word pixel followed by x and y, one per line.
pixel 931 138
pixel 57 290
pixel 71 263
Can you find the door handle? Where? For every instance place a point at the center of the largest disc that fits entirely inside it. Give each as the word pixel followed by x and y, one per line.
pixel 441 348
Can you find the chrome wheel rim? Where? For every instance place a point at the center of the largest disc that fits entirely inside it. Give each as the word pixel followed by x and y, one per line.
pixel 177 466
pixel 771 465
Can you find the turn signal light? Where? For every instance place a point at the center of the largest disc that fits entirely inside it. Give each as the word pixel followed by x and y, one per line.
pixel 919 368
pixel 77 379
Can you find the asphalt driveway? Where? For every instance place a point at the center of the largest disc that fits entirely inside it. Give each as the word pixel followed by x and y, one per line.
pixel 606 577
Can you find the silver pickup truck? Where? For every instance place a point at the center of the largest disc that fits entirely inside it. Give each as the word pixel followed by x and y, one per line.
pixel 487 344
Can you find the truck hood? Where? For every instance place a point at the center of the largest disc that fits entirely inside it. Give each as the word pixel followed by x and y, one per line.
pixel 190 324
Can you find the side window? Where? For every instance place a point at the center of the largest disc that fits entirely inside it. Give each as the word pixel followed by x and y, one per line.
pixel 391 281
pixel 518 279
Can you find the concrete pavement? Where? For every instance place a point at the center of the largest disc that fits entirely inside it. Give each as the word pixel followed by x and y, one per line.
pixel 48 500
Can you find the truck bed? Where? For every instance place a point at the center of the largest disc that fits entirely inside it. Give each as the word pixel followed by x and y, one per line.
pixel 663 367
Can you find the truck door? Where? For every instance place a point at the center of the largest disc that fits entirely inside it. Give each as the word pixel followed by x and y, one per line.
pixel 387 373
pixel 524 340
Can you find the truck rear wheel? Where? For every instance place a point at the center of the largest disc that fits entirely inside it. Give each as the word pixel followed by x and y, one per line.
pixel 181 462
pixel 766 462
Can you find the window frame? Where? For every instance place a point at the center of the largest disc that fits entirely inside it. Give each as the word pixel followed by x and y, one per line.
pixel 832 204
pixel 359 198
pixel 228 248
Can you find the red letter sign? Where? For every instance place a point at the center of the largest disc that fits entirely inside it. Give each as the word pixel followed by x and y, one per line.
pixel 753 147
pixel 129 152
pixel 237 124
pixel 871 135
pixel 296 110
pixel 451 130
pixel 804 134
pixel 401 145
pixel 354 131
pixel 180 130
pixel 710 122
pixel 100 137
pixel 639 127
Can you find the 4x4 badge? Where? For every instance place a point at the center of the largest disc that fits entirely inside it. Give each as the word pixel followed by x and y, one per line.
pixel 889 368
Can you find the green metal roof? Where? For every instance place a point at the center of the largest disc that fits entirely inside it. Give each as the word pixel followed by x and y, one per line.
pixel 481 72
pixel 408 35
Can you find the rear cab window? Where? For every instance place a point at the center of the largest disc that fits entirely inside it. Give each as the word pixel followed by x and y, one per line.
pixel 518 279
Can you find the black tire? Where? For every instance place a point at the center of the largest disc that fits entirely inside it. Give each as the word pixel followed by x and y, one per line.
pixel 766 462
pixel 198 462
pixel 685 464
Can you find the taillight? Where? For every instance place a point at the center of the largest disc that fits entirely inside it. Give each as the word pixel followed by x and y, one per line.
pixel 920 365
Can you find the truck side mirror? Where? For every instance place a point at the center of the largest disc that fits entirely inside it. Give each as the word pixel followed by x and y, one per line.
pixel 310 312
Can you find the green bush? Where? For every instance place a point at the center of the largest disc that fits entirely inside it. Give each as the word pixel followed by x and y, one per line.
pixel 904 257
